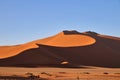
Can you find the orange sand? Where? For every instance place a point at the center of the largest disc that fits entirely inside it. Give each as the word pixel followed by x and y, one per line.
pixel 87 48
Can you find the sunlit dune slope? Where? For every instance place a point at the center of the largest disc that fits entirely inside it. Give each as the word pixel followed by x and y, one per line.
pixel 70 39
pixel 66 49
pixel 8 51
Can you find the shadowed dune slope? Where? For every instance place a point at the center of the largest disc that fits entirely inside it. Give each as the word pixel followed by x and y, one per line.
pixel 66 49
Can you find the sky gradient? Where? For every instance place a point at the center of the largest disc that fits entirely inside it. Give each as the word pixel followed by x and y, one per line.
pixel 26 20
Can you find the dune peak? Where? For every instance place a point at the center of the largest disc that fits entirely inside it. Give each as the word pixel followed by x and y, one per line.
pixel 70 32
pixel 91 32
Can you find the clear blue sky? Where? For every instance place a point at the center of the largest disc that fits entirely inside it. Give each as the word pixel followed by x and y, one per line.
pixel 26 20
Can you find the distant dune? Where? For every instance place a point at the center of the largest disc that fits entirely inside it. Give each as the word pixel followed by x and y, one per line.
pixel 65 49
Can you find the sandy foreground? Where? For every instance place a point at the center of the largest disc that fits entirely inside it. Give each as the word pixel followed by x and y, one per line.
pixel 66 73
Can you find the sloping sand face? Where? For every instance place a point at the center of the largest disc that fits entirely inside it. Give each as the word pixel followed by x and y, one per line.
pixel 9 51
pixel 70 39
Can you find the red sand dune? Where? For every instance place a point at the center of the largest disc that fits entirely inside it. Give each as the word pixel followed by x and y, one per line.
pixel 66 49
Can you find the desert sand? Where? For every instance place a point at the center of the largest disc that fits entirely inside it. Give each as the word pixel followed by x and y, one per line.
pixel 68 55
pixel 65 49
pixel 91 73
